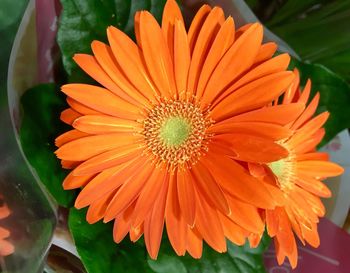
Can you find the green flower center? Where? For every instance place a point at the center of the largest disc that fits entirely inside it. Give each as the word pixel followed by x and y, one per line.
pixel 284 170
pixel 277 167
pixel 175 131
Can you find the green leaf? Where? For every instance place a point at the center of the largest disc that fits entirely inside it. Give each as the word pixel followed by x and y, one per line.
pixel 42 106
pixel 10 12
pixel 237 260
pixel 335 96
pixel 317 31
pixel 292 9
pixel 83 21
pixel 100 254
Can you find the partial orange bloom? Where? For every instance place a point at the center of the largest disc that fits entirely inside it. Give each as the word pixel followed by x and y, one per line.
pixel 6 248
pixel 166 137
pixel 299 176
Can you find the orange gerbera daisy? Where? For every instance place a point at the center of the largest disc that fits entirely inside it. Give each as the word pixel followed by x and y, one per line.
pixel 164 139
pixel 299 176
pixel 6 248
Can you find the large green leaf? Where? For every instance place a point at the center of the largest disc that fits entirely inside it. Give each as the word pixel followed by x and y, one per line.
pixel 335 96
pixel 236 260
pixel 83 21
pixel 40 126
pixel 317 30
pixel 100 254
pixel 292 9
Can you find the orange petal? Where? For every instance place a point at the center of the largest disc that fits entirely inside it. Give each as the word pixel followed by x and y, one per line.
pixel 106 182
pixel 108 159
pixel 4 233
pixel 69 115
pixel 90 65
pixel 293 90
pixel 314 186
pixel 128 54
pixel 129 191
pixel 304 214
pixel 274 65
pixel 80 108
pixel 309 144
pixel 122 224
pixel 257 170
pixel 98 208
pixel 308 113
pixel 293 257
pixel 232 231
pixel 235 180
pixel 194 243
pixel 182 59
pixel 304 97
pixel 69 136
pixel 280 254
pixel 259 129
pixel 197 24
pixel 245 215
pixel 316 168
pixel 279 114
pixel 276 192
pixel 6 248
pixel 156 55
pixel 265 52
pixel 67 164
pixel 309 129
pixel 175 223
pixel 186 191
pixel 294 223
pixel 313 156
pixel 237 59
pixel 101 124
pixel 252 148
pixel 102 100
pixel 271 222
pixel 209 225
pixel 252 95
pixel 4 211
pixel 136 232
pixel 222 42
pixel 154 223
pixel 208 188
pixel 171 14
pixel 73 182
pixel 204 40
pixel 148 195
pixel 105 57
pixel 284 235
pixel 243 29
pixel 86 147
pixel 314 202
pixel 311 235
pixel 254 239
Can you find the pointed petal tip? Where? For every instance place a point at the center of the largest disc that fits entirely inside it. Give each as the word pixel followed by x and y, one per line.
pixel 79 204
pixel 337 169
pixel 107 218
pixel 285 56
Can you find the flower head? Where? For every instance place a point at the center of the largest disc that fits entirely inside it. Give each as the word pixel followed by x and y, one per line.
pixel 167 137
pixel 299 176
